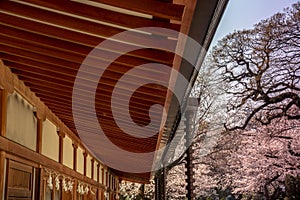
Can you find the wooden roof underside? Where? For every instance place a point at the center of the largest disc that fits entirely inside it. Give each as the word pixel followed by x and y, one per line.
pixel 45 42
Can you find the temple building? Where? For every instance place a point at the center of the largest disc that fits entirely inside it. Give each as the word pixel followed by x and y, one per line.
pixel 78 81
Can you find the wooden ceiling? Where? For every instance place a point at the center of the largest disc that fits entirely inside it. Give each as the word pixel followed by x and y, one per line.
pixel 45 42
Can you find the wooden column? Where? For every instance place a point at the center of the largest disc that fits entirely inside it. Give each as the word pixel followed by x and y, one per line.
pixel 3 110
pixel 98 172
pixel 109 180
pixel 39 183
pixel 75 189
pixel 106 178
pixel 92 168
pixel 75 147
pixel 61 145
pixel 192 106
pixel 3 118
pixel 2 176
pixel 39 135
pixel 157 185
pixel 163 183
pixel 102 181
pixel 84 163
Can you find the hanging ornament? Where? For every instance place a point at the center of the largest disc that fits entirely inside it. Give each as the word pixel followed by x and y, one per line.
pixel 81 189
pixel 70 185
pixel 64 184
pixel 49 182
pixel 57 183
pixel 86 190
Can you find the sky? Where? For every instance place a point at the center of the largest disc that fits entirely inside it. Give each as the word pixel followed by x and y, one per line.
pixel 243 14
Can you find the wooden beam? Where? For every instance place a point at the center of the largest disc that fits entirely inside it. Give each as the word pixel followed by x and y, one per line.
pixel 39 135
pixel 72 51
pixel 62 100
pixel 61 136
pixel 85 154
pixel 102 171
pixel 69 60
pixel 62 90
pixel 151 7
pixel 75 147
pixel 104 15
pixel 2 172
pixel 98 172
pixel 158 93
pixel 78 32
pixel 68 75
pixel 92 168
pixel 3 111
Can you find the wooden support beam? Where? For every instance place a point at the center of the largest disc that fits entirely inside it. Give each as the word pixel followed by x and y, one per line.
pixel 61 136
pixel 72 50
pixel 105 15
pixel 83 34
pixel 98 172
pixel 2 172
pixel 92 168
pixel 39 135
pixel 151 7
pixel 3 110
pixel 85 154
pixel 75 147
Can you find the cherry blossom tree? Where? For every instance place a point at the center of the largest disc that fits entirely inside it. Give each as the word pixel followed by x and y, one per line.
pixel 261 70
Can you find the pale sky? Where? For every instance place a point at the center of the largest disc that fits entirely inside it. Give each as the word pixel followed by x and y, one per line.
pixel 243 14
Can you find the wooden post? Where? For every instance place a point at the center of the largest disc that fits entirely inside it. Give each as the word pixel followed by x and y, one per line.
pixel 92 168
pixel 61 146
pixel 157 185
pixel 98 172
pixel 3 118
pixel 106 178
pixel 3 111
pixel 192 105
pixel 84 162
pixel 102 180
pixel 39 136
pixel 163 183
pixel 2 173
pixel 75 190
pixel 75 147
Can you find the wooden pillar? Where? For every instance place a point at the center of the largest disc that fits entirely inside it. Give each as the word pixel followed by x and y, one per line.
pixel 61 136
pixel 84 162
pixel 75 147
pixel 3 111
pixel 75 190
pixel 39 136
pixel 39 183
pixel 98 172
pixel 102 172
pixel 163 183
pixel 92 168
pixel 2 172
pixel 106 178
pixel 109 181
pixel 189 153
pixel 157 185
pixel 3 118
pixel 160 184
